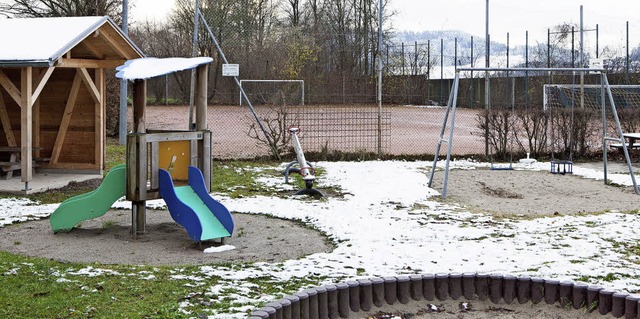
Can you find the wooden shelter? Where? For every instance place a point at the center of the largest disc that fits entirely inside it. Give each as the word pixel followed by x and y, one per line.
pixel 52 92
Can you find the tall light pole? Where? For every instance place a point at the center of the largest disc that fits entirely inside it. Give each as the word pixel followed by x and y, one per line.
pixel 486 81
pixel 122 123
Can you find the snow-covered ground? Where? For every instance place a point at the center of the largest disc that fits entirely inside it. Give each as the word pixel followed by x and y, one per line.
pixel 390 222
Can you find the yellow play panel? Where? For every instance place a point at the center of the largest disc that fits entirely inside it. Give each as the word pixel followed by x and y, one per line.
pixel 175 157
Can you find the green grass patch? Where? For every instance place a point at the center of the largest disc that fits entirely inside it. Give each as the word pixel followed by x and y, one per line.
pixel 116 154
pixel 39 288
pixel 42 288
pixel 238 178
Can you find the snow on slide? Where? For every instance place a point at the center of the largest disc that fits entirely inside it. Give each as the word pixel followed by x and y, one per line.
pixel 193 208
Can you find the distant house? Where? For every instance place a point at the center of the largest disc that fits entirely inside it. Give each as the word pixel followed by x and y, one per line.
pixel 52 91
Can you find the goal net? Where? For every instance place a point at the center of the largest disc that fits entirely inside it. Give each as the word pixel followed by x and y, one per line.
pixel 273 92
pixel 589 96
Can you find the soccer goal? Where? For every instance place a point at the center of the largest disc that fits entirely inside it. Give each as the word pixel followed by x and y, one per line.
pixel 273 92
pixel 590 96
pixel 567 109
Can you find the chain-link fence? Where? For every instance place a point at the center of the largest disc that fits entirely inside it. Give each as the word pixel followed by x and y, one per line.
pixel 338 58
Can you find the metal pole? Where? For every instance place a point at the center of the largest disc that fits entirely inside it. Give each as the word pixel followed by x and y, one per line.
pixel 428 69
pixel 403 57
pixel 621 135
pixel 581 37
pixel 506 86
pixel 597 40
pixel 456 83
pixel 194 52
pixel 472 97
pixel 626 72
pixel 441 69
pixel 549 52
pixel 379 79
pixel 486 81
pixel 455 53
pixel 526 63
pixel 235 78
pixel 573 47
pixel 415 58
pixel 581 57
pixel 122 123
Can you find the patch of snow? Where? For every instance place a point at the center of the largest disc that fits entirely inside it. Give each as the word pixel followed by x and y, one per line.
pixel 41 38
pixel 219 249
pixel 145 68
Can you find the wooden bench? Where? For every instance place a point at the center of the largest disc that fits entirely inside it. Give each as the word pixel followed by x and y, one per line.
pixel 13 163
pixel 632 137
pixel 14 160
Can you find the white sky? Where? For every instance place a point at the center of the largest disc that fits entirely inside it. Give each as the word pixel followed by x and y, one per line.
pixel 513 16
pixel 519 16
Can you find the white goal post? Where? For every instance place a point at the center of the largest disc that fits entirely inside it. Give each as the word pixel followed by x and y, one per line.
pixel 566 95
pixel 301 82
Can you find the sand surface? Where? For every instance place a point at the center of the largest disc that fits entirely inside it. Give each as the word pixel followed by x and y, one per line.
pixel 533 193
pixel 108 240
pixel 474 309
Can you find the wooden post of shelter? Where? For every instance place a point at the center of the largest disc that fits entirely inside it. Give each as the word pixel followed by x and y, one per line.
pixel 26 129
pixel 137 174
pixel 204 147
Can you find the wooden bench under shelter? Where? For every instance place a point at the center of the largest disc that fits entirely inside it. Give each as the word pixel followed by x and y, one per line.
pixel 52 92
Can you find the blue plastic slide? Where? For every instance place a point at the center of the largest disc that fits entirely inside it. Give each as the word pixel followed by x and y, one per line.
pixel 193 208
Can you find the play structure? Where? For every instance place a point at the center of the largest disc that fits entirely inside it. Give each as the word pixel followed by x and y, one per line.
pixel 605 100
pixel 172 165
pixel 304 168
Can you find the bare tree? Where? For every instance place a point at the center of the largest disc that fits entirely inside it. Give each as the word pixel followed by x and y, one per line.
pixel 63 8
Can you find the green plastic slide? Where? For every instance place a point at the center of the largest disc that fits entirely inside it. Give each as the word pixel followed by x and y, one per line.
pixel 90 205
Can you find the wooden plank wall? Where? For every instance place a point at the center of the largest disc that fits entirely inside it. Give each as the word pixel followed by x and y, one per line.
pixel 78 149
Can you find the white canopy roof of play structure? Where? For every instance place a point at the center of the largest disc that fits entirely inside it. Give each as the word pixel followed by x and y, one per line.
pixel 146 68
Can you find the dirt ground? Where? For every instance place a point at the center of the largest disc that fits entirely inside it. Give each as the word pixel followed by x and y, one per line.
pixel 473 309
pixel 108 240
pixel 533 193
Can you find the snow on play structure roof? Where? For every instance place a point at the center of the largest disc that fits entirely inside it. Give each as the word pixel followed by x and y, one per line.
pixel 43 40
pixel 146 68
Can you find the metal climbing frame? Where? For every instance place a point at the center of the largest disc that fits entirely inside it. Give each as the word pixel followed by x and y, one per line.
pixel 451 111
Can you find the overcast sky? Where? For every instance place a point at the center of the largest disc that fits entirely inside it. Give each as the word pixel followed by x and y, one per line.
pixel 513 16
pixel 519 16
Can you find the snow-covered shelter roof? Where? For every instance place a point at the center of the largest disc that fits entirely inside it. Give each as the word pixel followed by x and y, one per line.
pixel 146 68
pixel 44 41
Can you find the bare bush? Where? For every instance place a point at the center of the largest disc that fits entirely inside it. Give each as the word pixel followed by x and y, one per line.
pixel 533 125
pixel 573 131
pixel 276 123
pixel 497 127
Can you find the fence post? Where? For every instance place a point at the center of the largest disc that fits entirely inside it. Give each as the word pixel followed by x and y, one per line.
pixel 526 63
pixel 473 82
pixel 441 69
